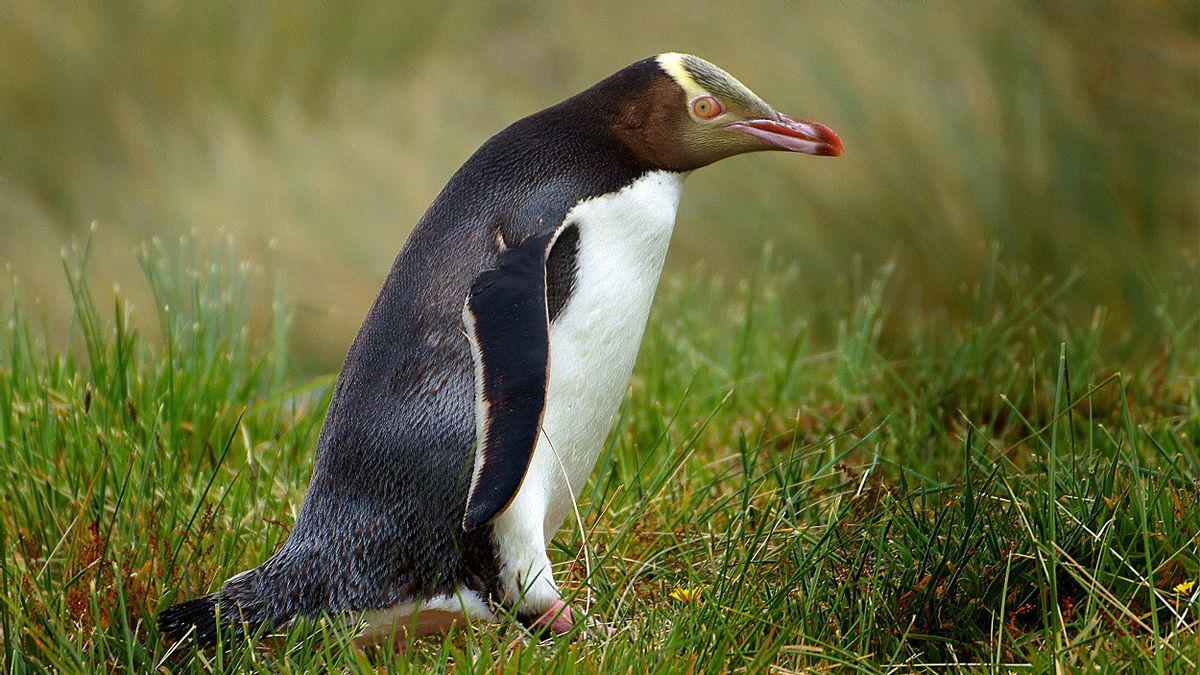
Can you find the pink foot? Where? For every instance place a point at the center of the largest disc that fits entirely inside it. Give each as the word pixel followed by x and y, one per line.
pixel 560 619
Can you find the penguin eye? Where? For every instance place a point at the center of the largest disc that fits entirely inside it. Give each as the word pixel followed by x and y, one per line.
pixel 707 107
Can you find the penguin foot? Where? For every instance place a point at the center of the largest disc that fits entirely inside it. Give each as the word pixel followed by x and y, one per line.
pixel 556 621
pixel 560 619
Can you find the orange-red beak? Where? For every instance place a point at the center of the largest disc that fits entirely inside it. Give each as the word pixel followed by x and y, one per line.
pixel 793 135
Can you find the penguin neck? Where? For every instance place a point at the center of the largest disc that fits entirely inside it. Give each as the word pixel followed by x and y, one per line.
pixel 638 219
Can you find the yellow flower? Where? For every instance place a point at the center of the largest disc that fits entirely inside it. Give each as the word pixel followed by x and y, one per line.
pixel 1182 589
pixel 687 596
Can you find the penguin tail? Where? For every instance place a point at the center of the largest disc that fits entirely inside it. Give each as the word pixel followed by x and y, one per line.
pixel 197 618
pixel 201 620
pixel 239 609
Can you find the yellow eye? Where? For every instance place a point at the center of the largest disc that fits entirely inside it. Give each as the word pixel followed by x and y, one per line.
pixel 707 107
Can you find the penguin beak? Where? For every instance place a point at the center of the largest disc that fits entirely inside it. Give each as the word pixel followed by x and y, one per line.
pixel 791 134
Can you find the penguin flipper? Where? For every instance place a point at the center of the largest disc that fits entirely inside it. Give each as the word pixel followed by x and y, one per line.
pixel 507 323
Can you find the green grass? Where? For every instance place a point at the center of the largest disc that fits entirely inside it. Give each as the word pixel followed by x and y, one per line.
pixel 841 485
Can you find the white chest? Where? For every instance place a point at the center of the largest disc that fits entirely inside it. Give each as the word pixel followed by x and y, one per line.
pixel 594 341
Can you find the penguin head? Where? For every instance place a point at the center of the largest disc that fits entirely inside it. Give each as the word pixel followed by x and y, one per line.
pixel 689 113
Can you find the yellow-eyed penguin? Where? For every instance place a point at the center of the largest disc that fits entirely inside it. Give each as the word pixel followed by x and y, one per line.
pixel 479 391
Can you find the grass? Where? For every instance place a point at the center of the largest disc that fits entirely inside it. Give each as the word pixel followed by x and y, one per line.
pixel 801 482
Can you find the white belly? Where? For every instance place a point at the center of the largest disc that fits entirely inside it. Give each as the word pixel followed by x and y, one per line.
pixel 594 340
pixel 623 240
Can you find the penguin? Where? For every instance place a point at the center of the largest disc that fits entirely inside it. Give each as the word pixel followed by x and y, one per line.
pixel 478 393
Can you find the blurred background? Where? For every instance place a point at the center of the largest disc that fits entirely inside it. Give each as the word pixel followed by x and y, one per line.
pixel 1064 135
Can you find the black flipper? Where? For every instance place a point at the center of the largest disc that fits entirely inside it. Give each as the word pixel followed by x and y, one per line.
pixel 508 325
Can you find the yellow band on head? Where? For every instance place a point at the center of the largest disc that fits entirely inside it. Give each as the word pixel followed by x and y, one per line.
pixel 672 63
pixel 698 77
